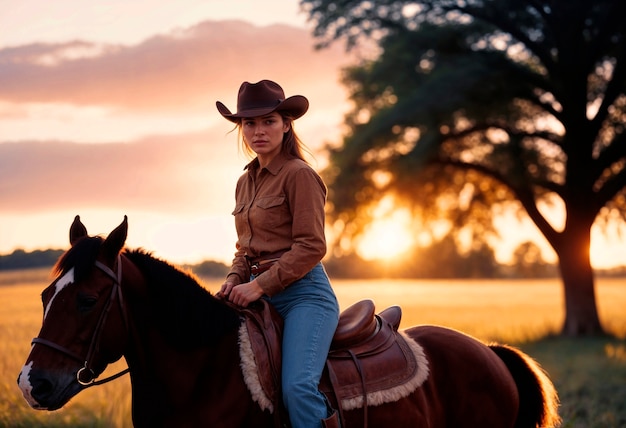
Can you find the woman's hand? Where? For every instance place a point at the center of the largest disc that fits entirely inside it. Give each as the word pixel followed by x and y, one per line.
pixel 225 290
pixel 242 294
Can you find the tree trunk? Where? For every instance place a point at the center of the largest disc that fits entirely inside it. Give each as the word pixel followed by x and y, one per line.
pixel 581 313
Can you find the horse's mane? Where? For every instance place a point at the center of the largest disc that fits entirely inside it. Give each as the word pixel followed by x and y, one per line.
pixel 186 313
pixel 81 257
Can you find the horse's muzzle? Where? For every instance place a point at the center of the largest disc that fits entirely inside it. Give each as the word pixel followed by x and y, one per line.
pixel 44 391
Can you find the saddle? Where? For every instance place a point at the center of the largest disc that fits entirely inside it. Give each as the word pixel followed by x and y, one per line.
pixel 369 362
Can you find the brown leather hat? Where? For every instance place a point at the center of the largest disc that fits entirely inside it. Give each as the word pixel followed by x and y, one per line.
pixel 258 99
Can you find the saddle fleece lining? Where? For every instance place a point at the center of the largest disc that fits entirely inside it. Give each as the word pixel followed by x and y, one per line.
pixel 376 398
pixel 250 372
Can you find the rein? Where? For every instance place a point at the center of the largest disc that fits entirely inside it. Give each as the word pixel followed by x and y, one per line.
pixel 116 293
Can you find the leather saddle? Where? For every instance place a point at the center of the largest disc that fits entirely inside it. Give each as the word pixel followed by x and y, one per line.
pixel 367 357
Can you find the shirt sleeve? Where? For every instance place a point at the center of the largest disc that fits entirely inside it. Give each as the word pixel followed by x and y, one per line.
pixel 240 269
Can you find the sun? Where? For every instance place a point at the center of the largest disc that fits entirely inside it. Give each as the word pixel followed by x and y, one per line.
pixel 386 238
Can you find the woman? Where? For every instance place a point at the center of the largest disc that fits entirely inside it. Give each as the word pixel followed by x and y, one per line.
pixel 279 217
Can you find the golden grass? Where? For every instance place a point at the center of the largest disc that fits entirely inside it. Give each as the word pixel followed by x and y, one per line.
pixel 508 311
pixel 20 320
pixel 512 311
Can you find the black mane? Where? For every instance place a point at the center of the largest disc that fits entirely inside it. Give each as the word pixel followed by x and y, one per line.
pixel 186 313
pixel 82 257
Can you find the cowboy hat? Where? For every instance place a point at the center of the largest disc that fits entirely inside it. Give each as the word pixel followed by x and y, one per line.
pixel 261 98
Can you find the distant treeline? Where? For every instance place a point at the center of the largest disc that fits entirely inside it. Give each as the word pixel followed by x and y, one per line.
pixel 210 269
pixel 429 263
pixel 20 259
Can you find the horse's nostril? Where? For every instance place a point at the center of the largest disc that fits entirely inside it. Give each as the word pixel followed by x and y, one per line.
pixel 42 388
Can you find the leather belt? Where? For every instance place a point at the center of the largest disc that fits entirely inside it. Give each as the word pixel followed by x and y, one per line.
pixel 258 265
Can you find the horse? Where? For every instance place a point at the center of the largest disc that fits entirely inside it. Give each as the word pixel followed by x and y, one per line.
pixel 182 347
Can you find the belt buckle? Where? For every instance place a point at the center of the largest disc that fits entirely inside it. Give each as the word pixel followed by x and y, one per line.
pixel 254 269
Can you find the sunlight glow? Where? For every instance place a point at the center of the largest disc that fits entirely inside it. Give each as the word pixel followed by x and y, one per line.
pixel 389 235
pixel 385 240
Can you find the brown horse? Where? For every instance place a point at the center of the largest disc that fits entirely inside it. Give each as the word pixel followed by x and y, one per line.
pixel 182 348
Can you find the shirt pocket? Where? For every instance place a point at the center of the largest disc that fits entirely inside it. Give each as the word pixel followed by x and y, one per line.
pixel 272 210
pixel 240 219
pixel 238 209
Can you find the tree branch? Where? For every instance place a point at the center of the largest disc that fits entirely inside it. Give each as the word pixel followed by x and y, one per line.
pixel 611 188
pixel 523 194
pixel 614 89
pixel 611 154
pixel 551 137
pixel 502 22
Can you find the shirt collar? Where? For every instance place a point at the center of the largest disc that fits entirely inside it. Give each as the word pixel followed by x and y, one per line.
pixel 275 165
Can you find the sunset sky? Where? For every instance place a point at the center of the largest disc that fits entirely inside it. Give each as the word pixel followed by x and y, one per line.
pixel 107 108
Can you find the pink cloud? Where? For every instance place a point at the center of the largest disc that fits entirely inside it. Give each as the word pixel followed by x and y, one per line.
pixel 169 174
pixel 185 69
pixel 166 76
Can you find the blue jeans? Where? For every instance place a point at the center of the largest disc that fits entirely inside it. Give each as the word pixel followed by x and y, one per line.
pixel 310 310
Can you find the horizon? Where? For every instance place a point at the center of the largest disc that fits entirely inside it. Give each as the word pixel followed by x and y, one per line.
pixel 380 264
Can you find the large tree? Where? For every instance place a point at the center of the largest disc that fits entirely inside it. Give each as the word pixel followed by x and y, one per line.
pixel 518 100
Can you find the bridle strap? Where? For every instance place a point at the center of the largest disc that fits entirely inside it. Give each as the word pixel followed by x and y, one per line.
pixel 116 291
pixel 107 270
pixel 117 285
pixel 95 341
pixel 61 349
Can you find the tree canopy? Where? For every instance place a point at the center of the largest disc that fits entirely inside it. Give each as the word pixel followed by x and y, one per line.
pixel 462 105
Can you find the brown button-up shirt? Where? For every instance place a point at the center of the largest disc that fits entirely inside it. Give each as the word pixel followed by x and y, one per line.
pixel 279 208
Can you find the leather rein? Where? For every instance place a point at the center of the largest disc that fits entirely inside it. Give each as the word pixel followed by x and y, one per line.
pixel 116 294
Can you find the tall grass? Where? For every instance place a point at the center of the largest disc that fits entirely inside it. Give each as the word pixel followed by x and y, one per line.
pixel 20 320
pixel 513 311
pixel 589 374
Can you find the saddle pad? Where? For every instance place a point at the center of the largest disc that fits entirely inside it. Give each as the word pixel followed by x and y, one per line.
pixel 382 377
pixel 386 391
pixel 260 337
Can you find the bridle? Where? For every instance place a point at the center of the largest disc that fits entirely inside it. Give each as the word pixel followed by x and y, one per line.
pixel 85 375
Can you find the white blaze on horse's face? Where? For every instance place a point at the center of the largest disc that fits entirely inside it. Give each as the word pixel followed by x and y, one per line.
pixel 24 377
pixel 25 386
pixel 61 283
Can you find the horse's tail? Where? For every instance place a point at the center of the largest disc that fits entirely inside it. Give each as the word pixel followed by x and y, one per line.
pixel 538 398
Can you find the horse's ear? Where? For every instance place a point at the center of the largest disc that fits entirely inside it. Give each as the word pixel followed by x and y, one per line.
pixel 77 230
pixel 114 243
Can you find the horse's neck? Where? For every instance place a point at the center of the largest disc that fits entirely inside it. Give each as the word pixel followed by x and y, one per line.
pixel 185 385
pixel 151 355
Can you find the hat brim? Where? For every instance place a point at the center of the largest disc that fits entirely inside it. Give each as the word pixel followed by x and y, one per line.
pixel 295 106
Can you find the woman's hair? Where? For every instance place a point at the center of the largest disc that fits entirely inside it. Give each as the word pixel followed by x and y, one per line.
pixel 292 144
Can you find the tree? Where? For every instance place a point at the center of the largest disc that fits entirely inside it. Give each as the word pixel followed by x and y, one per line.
pixel 494 100
pixel 20 259
pixel 528 262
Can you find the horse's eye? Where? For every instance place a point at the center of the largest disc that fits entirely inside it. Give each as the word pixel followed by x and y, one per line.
pixel 86 302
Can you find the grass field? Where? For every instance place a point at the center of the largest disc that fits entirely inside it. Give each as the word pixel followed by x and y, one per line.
pixel 590 374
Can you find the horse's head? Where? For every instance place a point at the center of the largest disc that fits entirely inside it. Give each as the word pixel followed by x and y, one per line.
pixel 84 326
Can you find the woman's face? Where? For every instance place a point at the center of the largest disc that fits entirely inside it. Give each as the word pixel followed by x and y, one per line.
pixel 264 134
